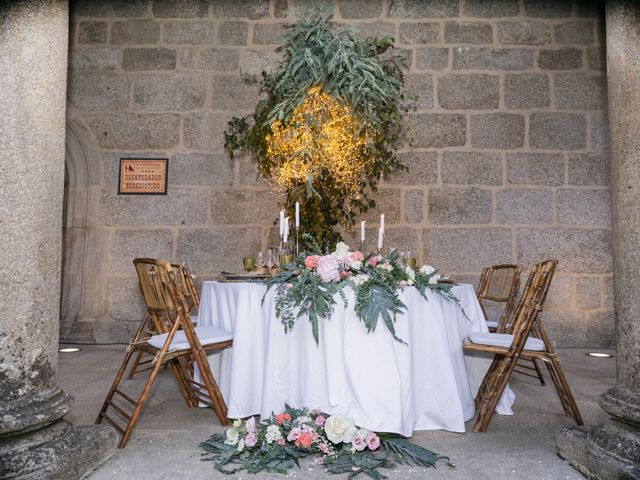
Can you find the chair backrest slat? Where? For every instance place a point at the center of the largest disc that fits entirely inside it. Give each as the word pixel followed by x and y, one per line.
pixel 500 283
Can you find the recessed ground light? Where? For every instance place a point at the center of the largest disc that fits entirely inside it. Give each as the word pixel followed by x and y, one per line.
pixel 599 355
pixel 69 350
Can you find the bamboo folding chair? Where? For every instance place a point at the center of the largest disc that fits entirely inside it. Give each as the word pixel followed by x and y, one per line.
pixel 188 289
pixel 509 348
pixel 178 345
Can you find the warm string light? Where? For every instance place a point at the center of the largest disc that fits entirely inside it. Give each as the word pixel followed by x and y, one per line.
pixel 321 137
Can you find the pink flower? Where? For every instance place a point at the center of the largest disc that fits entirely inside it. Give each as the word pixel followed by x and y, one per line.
pixel 250 440
pixel 318 461
pixel 359 443
pixel 287 286
pixel 328 268
pixel 305 439
pixel 373 441
pixel 294 434
pixel 324 448
pixel 357 256
pixel 344 275
pixel 282 418
pixel 373 261
pixel 281 442
pixel 250 425
pixel 320 420
pixel 402 283
pixel 311 262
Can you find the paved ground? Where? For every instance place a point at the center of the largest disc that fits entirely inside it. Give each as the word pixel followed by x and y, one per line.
pixel 164 444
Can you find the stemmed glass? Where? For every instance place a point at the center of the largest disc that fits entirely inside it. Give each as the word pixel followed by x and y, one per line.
pixel 269 260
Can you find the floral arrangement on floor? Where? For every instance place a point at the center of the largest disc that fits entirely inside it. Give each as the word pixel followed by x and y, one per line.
pixel 307 287
pixel 277 444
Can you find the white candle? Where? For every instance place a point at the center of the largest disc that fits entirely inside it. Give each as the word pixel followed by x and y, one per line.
pixel 286 229
pixel 380 238
pixel 297 215
pixel 382 223
pixel 281 222
pixel 362 230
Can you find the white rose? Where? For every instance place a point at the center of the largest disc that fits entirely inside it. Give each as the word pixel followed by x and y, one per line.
pixel 434 279
pixel 339 429
pixel 233 435
pixel 428 269
pixel 409 271
pixel 240 445
pixel 357 265
pixel 359 279
pixel 273 434
pixel 342 249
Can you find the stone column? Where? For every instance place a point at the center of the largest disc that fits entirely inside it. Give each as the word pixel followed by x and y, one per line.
pixel 612 451
pixel 34 440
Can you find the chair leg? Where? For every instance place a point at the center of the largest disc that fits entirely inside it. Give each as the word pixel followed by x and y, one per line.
pixel 134 365
pixel 538 371
pixel 217 402
pixel 178 369
pixel 491 390
pixel 564 392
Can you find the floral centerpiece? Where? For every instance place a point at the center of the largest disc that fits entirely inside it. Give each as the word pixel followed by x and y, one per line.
pixel 277 444
pixel 308 286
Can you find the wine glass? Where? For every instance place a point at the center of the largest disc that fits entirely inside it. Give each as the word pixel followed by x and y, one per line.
pixel 269 260
pixel 249 263
pixel 259 261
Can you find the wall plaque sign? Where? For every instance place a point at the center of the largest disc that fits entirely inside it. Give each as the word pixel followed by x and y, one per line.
pixel 143 176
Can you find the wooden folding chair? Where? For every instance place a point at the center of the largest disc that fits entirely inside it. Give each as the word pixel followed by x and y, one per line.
pixel 509 348
pixel 178 345
pixel 188 289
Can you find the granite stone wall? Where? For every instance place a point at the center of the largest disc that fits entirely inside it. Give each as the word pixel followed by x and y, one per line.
pixel 507 158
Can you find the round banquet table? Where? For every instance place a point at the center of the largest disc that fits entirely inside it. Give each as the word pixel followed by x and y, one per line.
pixel 381 384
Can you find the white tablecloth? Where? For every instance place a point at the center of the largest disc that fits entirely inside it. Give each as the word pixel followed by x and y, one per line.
pixel 379 383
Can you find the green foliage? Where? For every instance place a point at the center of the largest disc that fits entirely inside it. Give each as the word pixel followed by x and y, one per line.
pixel 364 74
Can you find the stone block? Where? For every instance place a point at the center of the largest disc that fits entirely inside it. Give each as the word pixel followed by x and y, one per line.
pixel 547 8
pixel 475 33
pixel 231 93
pixel 559 131
pixel 269 33
pixel 491 8
pixel 466 250
pixel 413 206
pixel 417 8
pixel 205 130
pixel 454 206
pixel 567 329
pixel 220 59
pixel 92 33
pixel 482 58
pixel 584 207
pixel 135 32
pixel 437 130
pixel 527 90
pixel 248 170
pixel 599 131
pixel 176 91
pixel 254 62
pixel 376 29
pixel 608 295
pixel 360 8
pixel 471 168
pixel 124 130
pixel 388 202
pixel 252 9
pixel 148 59
pixel 233 33
pixel 212 250
pixel 589 169
pixel 419 33
pixel 432 58
pixel 124 300
pixel 107 8
pixel 422 169
pixel 560 59
pixel 469 91
pixel 578 250
pixel 497 130
pixel 524 205
pixel 560 295
pixel 180 8
pixel 189 58
pixel 244 206
pixel 201 169
pixel 98 91
pixel 419 88
pixel 129 244
pixel 94 59
pixel 403 239
pixel 189 33
pixel 535 168
pixel 280 8
pixel 181 206
pixel 574 33
pixel 597 58
pixel 579 91
pixel 601 329
pixel 523 33
pixel 588 293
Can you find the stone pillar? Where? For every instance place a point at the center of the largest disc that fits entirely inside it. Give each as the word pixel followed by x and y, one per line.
pixel 34 440
pixel 612 451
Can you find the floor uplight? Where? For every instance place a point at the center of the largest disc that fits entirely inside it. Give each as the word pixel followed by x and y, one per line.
pixel 69 350
pixel 599 355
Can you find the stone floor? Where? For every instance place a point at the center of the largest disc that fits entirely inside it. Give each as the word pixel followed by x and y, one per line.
pixel 164 444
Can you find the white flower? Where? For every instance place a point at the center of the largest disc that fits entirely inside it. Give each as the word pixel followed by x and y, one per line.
pixel 339 429
pixel 411 274
pixel 233 435
pixel 273 434
pixel 434 279
pixel 386 266
pixel 428 269
pixel 342 249
pixel 240 445
pixel 357 265
pixel 304 419
pixel 359 279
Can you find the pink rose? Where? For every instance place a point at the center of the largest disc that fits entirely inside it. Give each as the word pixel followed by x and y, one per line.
pixel 281 442
pixel 359 443
pixel 250 440
pixel 373 441
pixel 320 420
pixel 373 261
pixel 283 418
pixel 250 425
pixel 311 262
pixel 328 268
pixel 294 434
pixel 306 439
pixel 324 448
pixel 357 256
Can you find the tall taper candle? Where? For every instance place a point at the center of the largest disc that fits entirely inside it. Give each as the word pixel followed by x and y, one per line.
pixel 297 214
pixel 286 230
pixel 380 238
pixel 382 223
pixel 281 222
pixel 362 230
